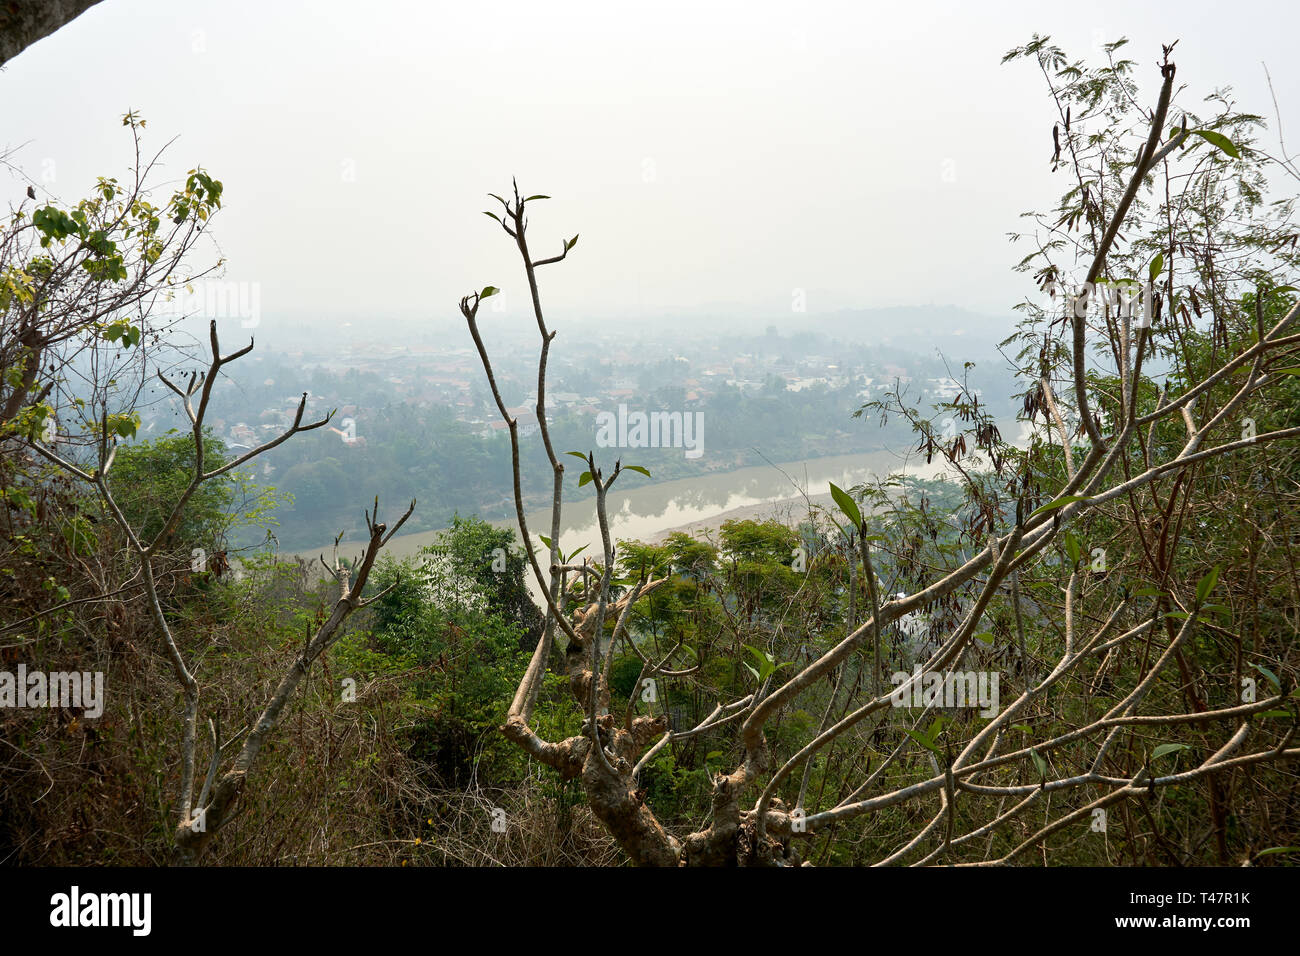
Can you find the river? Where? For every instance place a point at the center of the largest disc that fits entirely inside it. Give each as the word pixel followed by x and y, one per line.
pixel 642 511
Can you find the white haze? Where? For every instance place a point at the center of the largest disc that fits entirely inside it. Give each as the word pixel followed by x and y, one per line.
pixel 714 157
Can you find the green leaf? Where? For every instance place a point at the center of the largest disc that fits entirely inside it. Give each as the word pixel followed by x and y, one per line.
pixel 488 292
pixel 636 468
pixel 574 554
pixel 123 426
pixel 584 478
pixel 765 663
pixel 924 741
pixel 531 198
pixel 570 243
pixel 1023 728
pixel 847 505
pixel 53 224
pixel 1058 503
pixel 577 454
pixel 1156 267
pixel 1218 140
pixel 1279 849
pixel 1072 548
pixel 1039 763
pixel 492 214
pixel 986 637
pixel 1272 678
pixel 1167 749
pixel 1206 584
pixel 545 540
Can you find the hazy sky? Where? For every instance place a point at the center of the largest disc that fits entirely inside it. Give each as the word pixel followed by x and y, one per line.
pixel 713 156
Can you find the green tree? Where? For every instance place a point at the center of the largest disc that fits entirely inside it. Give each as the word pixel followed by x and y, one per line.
pixel 149 477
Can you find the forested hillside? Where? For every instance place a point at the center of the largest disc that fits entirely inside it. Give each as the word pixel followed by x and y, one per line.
pixel 1077 649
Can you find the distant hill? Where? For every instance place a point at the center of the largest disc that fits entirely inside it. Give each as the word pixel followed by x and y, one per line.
pixel 955 331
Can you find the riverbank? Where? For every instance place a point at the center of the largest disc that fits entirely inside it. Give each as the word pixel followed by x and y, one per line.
pixel 789 511
pixel 650 512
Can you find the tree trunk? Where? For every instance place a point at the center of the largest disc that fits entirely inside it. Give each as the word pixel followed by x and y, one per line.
pixel 23 22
